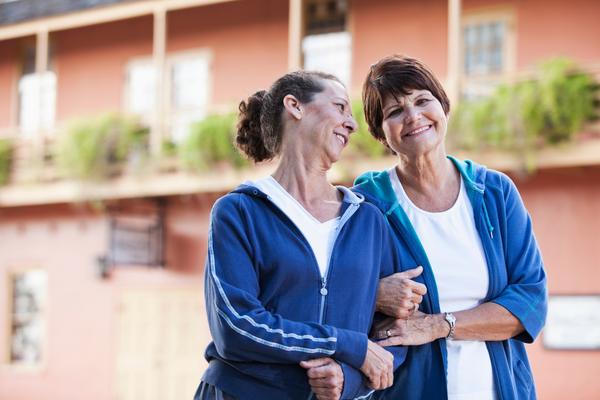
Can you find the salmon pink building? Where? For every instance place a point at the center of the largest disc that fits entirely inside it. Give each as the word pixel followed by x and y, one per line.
pixel 101 278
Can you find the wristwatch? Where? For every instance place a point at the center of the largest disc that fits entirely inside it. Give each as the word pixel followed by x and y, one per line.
pixel 450 319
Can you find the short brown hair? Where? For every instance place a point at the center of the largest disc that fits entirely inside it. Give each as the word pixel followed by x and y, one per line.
pixel 397 75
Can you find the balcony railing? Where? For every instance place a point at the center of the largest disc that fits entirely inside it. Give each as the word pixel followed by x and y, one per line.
pixel 37 178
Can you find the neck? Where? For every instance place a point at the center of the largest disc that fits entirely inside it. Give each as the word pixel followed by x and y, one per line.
pixel 305 182
pixel 431 181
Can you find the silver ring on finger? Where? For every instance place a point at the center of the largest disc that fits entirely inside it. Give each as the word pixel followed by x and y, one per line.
pixel 388 333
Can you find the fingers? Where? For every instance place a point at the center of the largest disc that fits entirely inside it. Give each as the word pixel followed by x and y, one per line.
pixel 398 293
pixel 391 342
pixel 412 273
pixel 314 363
pixel 326 378
pixel 378 367
pixel 381 327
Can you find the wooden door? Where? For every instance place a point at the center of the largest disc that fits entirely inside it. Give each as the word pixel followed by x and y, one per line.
pixel 161 337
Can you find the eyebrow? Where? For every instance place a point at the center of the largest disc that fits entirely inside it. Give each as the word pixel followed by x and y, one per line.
pixel 397 103
pixel 342 99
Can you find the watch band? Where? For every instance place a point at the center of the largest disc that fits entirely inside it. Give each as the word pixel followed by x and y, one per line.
pixel 451 320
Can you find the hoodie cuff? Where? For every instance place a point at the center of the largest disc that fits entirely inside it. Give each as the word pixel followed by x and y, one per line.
pixel 351 348
pixel 354 383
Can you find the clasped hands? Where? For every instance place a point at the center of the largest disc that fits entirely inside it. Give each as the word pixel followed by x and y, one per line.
pixel 398 296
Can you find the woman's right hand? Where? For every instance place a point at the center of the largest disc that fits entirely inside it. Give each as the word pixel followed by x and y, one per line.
pixel 398 295
pixel 378 367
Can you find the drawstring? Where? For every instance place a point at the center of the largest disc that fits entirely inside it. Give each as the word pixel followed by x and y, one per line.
pixel 487 220
pixel 392 208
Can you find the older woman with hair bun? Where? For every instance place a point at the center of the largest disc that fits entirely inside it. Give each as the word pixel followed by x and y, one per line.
pixel 467 226
pixel 294 262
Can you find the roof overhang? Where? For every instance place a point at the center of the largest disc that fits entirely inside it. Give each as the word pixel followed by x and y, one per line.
pixel 98 16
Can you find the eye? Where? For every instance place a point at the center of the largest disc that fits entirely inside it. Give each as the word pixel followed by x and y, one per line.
pixel 341 106
pixel 422 101
pixel 395 112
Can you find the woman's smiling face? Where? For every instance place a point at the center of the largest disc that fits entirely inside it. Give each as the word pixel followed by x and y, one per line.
pixel 330 122
pixel 414 124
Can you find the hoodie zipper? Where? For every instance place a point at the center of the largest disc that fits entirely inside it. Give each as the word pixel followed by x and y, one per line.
pixel 323 290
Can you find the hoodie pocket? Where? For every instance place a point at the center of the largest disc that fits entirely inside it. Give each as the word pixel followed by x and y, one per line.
pixel 524 380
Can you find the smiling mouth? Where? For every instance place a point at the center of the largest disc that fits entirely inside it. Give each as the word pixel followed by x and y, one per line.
pixel 341 138
pixel 418 130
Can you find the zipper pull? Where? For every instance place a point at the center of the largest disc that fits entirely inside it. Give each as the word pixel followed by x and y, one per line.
pixel 324 290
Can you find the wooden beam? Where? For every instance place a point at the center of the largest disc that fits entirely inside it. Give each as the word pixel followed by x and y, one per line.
pixel 295 35
pixel 41 68
pixel 158 56
pixel 98 16
pixel 453 68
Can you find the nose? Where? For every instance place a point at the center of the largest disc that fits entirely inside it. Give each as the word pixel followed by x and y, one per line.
pixel 412 115
pixel 351 125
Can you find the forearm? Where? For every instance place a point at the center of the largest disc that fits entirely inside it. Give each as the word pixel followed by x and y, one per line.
pixel 488 321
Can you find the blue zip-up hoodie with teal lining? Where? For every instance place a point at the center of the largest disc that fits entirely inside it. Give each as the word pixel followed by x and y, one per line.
pixel 517 281
pixel 269 308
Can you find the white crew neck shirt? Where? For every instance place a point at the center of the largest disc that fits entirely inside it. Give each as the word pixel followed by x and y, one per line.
pixel 457 258
pixel 320 236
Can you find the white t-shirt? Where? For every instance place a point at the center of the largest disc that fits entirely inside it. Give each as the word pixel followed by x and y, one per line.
pixel 456 255
pixel 320 236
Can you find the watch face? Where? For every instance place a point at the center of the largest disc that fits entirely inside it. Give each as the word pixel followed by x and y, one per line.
pixel 450 318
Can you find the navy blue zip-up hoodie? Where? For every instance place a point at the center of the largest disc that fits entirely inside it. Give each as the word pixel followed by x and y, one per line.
pixel 516 273
pixel 268 306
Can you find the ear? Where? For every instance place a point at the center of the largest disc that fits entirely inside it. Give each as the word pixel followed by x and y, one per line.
pixel 447 117
pixel 293 106
pixel 383 141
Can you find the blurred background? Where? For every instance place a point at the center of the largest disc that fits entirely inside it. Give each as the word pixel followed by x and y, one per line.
pixel 116 123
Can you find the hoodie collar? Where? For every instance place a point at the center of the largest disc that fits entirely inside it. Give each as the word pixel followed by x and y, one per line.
pixel 378 184
pixel 350 197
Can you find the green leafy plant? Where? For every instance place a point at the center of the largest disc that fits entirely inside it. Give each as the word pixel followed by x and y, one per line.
pixel 211 141
pixel 5 160
pixel 89 146
pixel 528 115
pixel 361 142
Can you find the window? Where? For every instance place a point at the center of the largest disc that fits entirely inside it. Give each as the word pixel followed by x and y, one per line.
pixel 186 96
pixel 37 94
pixel 484 48
pixel 27 327
pixel 189 78
pixel 488 50
pixel 327 46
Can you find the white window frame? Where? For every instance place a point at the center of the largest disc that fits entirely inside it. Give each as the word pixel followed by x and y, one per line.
pixel 145 118
pixel 170 60
pixel 46 115
pixel 166 96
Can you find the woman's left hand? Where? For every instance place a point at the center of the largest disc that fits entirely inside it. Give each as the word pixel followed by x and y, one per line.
pixel 418 328
pixel 326 378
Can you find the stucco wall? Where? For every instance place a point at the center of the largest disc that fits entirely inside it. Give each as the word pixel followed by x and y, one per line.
pixel 565 209
pixel 418 29
pixel 81 307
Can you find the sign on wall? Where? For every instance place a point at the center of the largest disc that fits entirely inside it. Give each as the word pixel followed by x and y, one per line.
pixel 573 323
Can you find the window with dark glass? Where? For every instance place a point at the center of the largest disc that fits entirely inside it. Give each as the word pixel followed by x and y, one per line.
pixel 27 327
pixel 484 48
